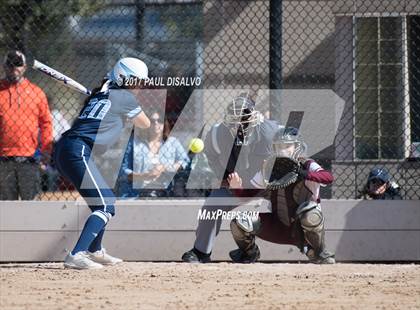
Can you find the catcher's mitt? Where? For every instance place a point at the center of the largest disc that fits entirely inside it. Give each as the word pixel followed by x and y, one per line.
pixel 285 172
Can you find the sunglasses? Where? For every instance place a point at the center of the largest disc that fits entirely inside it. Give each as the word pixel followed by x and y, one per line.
pixel 156 120
pixel 14 61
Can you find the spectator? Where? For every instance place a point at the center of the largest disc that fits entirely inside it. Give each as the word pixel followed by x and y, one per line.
pixel 201 180
pixel 24 114
pixel 148 158
pixel 380 186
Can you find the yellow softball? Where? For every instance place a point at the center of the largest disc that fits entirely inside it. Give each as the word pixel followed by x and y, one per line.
pixel 196 145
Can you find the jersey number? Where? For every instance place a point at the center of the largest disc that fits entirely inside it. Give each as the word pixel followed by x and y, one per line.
pixel 96 109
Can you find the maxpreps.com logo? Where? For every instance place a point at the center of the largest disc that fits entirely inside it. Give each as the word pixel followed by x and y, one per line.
pixel 226 215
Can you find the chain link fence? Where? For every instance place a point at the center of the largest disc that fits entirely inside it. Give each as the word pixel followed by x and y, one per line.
pixel 367 52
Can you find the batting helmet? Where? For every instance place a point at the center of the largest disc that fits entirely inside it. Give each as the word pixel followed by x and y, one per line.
pixel 126 68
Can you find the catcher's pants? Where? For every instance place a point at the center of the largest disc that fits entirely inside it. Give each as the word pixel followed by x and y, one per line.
pixel 272 230
pixel 19 179
pixel 207 230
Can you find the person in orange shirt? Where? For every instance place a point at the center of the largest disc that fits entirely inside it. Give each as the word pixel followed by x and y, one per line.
pixel 25 120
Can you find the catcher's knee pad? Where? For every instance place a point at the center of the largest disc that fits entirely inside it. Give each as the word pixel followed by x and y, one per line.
pixel 312 222
pixel 310 216
pixel 244 231
pixel 247 224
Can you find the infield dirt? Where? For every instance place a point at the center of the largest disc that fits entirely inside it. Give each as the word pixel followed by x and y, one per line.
pixel 211 286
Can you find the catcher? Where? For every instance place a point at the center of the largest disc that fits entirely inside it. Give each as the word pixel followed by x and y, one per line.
pixel 291 183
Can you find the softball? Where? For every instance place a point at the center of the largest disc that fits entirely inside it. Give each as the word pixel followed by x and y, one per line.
pixel 196 145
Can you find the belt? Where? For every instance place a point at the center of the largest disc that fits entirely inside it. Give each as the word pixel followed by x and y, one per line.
pixel 18 159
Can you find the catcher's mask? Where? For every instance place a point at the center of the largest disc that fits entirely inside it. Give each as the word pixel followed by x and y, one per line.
pixel 241 118
pixel 288 143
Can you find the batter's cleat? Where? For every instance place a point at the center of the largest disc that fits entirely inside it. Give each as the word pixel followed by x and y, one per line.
pixel 196 256
pixel 80 260
pixel 102 257
pixel 241 257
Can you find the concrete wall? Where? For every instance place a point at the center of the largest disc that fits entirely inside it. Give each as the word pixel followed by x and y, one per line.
pixel 162 230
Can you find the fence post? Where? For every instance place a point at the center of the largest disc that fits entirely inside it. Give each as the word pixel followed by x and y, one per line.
pixel 275 56
pixel 140 8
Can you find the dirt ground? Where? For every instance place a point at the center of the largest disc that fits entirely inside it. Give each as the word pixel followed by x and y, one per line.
pixel 211 286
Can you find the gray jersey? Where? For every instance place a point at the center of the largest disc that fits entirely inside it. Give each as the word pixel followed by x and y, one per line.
pixel 104 116
pixel 225 157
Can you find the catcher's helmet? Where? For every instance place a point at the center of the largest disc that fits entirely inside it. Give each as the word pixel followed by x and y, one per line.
pixel 241 118
pixel 126 68
pixel 288 143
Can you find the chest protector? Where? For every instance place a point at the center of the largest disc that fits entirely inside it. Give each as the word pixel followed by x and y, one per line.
pixel 284 202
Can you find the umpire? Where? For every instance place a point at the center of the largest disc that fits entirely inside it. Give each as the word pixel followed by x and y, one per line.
pixel 236 149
